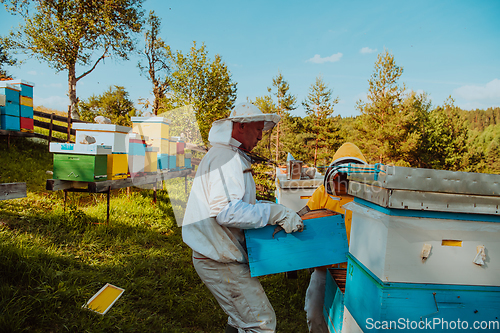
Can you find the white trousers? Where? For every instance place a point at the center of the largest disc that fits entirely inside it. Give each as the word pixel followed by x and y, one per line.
pixel 239 295
pixel 315 296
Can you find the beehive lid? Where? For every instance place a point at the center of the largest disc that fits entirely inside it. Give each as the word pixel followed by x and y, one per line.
pixel 101 127
pixel 430 180
pixel 150 120
pixel 24 82
pixel 7 84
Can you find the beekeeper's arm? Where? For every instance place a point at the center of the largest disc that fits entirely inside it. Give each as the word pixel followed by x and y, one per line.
pixel 227 189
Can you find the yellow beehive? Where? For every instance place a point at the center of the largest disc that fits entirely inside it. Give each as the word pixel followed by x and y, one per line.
pixel 26 101
pixel 117 166
pixel 153 127
pixel 163 145
pixel 172 150
pixel 151 161
pixel 180 161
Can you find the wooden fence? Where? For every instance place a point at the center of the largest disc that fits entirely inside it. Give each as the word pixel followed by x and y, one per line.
pixel 54 127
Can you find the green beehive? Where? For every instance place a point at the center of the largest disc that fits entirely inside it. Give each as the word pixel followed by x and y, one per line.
pixel 79 167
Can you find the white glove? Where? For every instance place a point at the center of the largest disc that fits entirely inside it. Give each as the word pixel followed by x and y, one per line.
pixel 286 218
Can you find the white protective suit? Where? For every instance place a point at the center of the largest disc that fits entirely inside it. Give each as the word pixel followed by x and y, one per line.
pixel 221 204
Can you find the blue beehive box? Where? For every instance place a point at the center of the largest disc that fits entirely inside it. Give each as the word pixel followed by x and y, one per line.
pixel 10 91
pixel 10 109
pixel 26 111
pixel 25 87
pixel 322 242
pixel 162 161
pixel 10 123
pixel 172 162
pixel 403 306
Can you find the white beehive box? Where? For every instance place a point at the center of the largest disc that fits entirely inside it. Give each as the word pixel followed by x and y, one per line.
pixel 295 193
pixel 71 148
pixel 391 246
pixel 104 134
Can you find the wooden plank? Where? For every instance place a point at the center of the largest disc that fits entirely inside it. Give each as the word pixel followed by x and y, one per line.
pixel 12 191
pixel 56 117
pixel 57 185
pixel 57 128
pixel 103 186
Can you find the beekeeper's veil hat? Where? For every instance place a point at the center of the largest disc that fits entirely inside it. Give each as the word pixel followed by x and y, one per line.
pixel 242 113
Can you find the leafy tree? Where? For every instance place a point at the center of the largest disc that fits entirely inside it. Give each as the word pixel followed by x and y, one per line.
pixel 5 59
pixel 448 141
pixel 156 53
pixel 203 83
pixel 391 127
pixel 284 104
pixel 113 104
pixel 319 108
pixel 70 33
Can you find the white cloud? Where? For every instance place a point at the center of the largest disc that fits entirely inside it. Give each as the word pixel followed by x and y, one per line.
pixel 318 60
pixel 32 72
pixel 365 50
pixel 52 102
pixel 52 85
pixel 489 92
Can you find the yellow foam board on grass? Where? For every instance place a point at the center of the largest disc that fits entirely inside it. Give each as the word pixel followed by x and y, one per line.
pixel 104 299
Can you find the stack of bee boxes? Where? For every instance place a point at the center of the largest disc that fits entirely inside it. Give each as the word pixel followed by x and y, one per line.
pixel 157 131
pixel 136 153
pixel 110 135
pixel 80 162
pixel 16 105
pixel 425 248
pixel 25 104
pixel 9 107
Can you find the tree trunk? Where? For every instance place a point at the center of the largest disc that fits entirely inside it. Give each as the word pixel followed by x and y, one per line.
pixel 277 141
pixel 72 91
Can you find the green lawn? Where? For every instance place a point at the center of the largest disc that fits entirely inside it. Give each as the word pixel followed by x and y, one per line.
pixel 53 259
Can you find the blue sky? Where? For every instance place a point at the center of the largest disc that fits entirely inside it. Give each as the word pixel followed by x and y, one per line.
pixel 445 47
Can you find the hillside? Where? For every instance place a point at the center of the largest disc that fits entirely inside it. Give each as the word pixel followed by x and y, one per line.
pixel 52 260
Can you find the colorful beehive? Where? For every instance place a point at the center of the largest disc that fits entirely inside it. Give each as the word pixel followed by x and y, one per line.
pixel 407 307
pixel 162 161
pixel 117 166
pixel 322 242
pixel 25 87
pixel 27 124
pixel 424 246
pixel 9 108
pixel 337 316
pixel 151 159
pixel 295 193
pixel 187 159
pixel 136 153
pixel 448 215
pixel 152 127
pixel 77 162
pixel 103 134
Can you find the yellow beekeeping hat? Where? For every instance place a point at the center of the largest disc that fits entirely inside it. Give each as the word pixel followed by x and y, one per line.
pixel 348 153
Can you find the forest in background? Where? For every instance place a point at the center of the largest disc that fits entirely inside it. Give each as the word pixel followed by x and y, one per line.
pixel 395 126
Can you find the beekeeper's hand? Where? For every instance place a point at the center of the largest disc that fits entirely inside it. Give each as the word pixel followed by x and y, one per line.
pixel 286 218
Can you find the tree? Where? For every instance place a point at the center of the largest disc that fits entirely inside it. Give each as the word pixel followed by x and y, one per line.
pixel 5 59
pixel 156 53
pixel 319 107
pixel 203 83
pixel 391 127
pixel 285 103
pixel 113 104
pixel 448 140
pixel 70 33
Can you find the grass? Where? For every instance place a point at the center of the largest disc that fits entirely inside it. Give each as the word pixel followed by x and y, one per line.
pixel 53 259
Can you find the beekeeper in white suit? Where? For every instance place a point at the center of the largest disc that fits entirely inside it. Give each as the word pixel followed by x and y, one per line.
pixel 221 204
